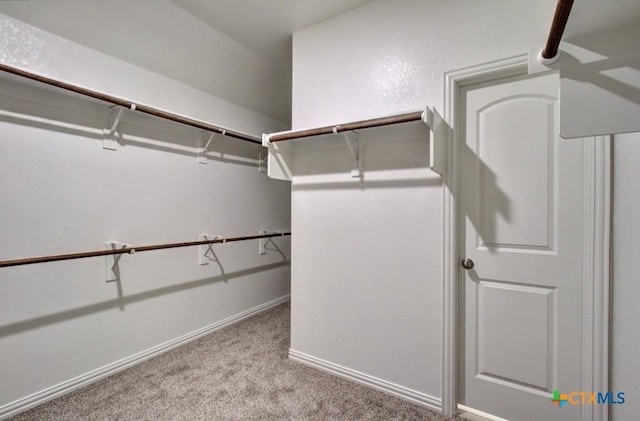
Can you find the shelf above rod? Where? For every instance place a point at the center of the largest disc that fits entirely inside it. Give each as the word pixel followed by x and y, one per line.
pixel 364 124
pixel 131 250
pixel 128 104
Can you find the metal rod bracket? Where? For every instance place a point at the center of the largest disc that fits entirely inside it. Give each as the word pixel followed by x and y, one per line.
pixel 111 135
pixel 263 242
pixel 207 255
pixel 112 261
pixel 204 142
pixel 263 160
pixel 351 139
pixel 203 150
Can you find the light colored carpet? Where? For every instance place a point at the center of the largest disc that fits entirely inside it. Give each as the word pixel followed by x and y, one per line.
pixel 238 373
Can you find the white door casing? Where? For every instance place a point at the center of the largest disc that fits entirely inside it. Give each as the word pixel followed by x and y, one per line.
pixel 534 215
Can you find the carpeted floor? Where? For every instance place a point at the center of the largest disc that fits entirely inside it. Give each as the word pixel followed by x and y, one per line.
pixel 238 373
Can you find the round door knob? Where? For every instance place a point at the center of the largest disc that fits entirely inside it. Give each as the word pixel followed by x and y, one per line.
pixel 467 264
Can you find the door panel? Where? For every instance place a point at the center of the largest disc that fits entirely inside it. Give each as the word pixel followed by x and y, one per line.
pixel 527 220
pixel 503 307
pixel 521 207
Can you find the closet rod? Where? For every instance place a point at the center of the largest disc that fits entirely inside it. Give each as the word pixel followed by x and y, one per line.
pixel 560 18
pixel 364 124
pixel 131 250
pixel 128 104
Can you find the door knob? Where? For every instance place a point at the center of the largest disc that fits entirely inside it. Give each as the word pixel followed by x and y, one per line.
pixel 467 263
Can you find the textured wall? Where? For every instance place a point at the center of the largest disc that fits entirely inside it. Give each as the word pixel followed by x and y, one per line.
pixel 390 56
pixel 27 46
pixel 366 274
pixel 164 38
pixel 62 192
pixel 384 58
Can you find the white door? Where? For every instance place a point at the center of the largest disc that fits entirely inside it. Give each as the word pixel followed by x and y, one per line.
pixel 521 224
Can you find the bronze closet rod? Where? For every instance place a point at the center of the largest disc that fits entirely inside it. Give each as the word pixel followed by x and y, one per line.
pixel 128 104
pixel 364 124
pixel 560 18
pixel 131 250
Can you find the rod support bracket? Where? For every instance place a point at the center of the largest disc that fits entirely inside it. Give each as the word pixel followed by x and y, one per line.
pixel 263 160
pixel 207 255
pixel 111 134
pixel 263 242
pixel 112 261
pixel 204 142
pixel 203 147
pixel 355 151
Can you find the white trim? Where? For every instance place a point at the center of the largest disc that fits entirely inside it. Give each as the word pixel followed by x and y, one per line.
pixel 411 395
pixel 595 347
pixel 481 414
pixel 602 268
pixel 596 246
pixel 53 392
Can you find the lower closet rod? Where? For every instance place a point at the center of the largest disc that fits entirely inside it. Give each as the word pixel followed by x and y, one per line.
pixel 131 250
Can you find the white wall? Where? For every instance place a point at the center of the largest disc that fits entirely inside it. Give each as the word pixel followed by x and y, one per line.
pixel 365 280
pixel 373 304
pixel 390 56
pixel 27 46
pixel 164 38
pixel 384 58
pixel 626 288
pixel 62 193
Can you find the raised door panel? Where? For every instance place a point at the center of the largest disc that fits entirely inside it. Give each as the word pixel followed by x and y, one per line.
pixel 514 145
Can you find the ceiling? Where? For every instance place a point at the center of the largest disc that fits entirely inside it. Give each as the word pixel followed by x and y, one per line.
pixel 265 26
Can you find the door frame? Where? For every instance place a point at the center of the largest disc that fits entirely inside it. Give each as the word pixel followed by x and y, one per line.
pixel 596 244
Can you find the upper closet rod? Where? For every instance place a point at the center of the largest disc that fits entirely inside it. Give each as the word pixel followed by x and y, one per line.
pixel 560 18
pixel 364 124
pixel 128 104
pixel 131 250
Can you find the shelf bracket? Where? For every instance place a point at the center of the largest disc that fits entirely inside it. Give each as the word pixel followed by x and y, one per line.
pixel 204 150
pixel 207 255
pixel 439 133
pixel 111 135
pixel 263 160
pixel 351 139
pixel 112 261
pixel 264 242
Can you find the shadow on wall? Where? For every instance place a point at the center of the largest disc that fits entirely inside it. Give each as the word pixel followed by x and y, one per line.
pixel 481 212
pixel 123 300
pixel 607 55
pixel 23 104
pixel 600 83
pixel 595 73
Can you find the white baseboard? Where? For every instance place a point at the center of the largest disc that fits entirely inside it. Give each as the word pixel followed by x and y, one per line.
pixel 475 415
pixel 53 392
pixel 402 392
